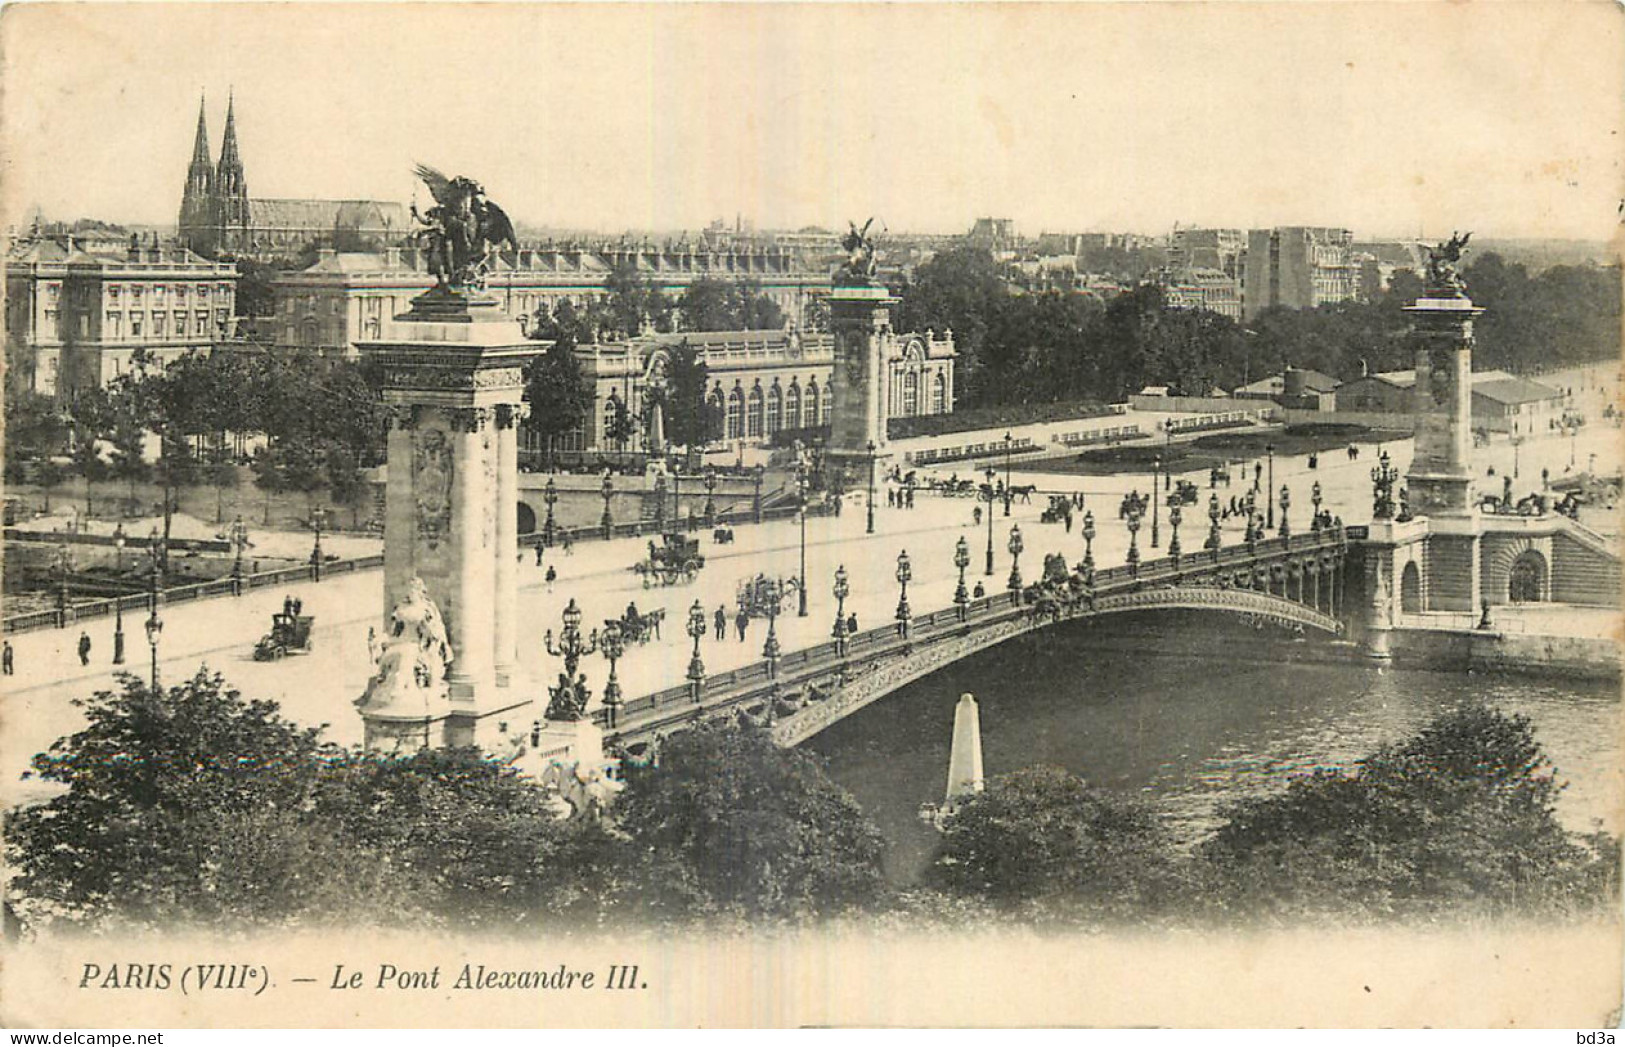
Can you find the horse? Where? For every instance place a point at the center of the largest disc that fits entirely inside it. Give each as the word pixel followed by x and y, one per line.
pixel 1024 492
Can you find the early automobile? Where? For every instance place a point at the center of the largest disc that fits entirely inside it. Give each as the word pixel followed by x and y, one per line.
pixel 289 633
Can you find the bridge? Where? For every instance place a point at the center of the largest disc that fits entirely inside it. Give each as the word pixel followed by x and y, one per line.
pixel 1296 581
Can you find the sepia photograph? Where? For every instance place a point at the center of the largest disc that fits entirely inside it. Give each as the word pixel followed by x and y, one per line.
pixel 765 515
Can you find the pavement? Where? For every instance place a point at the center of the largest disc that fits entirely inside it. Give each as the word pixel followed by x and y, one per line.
pixel 319 688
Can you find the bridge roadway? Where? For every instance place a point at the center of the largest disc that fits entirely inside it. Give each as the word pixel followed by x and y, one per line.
pixel 1295 581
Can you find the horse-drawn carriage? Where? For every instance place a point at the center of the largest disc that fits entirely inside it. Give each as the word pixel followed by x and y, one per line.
pixel 1059 508
pixel 1186 491
pixel 289 632
pixel 636 627
pixel 762 596
pixel 677 559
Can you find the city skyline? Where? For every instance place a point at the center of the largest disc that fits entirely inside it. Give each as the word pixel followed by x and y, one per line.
pixel 926 117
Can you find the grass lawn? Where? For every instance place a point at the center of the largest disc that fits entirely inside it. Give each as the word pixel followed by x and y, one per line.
pixel 1206 452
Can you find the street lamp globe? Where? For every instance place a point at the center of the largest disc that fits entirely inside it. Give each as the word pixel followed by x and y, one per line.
pixel 905 570
pixel 1015 544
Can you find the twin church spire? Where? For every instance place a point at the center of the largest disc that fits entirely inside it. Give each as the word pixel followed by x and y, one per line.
pixel 215 202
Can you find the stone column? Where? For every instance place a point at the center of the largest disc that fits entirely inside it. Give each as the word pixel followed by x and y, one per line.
pixel 469 613
pixel 505 632
pixel 400 528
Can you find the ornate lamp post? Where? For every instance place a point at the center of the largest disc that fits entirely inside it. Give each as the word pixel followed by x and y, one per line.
pixel 1173 527
pixel 1156 485
pixel 660 504
pixel 1133 558
pixel 239 542
pixel 1314 498
pixel 990 475
pixel 710 496
pixel 155 629
pixel 869 527
pixel 1213 538
pixel 841 590
pixel 801 498
pixel 696 668
pixel 771 649
pixel 550 495
pixel 612 644
pixel 1089 543
pixel 1383 476
pixel 606 523
pixel 1015 546
pixel 118 598
pixel 961 561
pixel 318 520
pixel 159 555
pixel 905 571
pixel 570 697
pixel 1286 501
pixel 1006 476
pixel 64 568
pixel 1269 451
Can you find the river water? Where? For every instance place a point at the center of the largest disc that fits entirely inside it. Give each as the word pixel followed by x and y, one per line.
pixel 1192 713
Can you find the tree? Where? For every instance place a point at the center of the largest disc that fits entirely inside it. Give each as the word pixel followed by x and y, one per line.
pixel 958 288
pixel 193 805
pixel 1044 841
pixel 691 418
pixel 622 425
pixel 1464 813
pixel 705 305
pixel 557 392
pixel 255 295
pixel 752 310
pixel 729 823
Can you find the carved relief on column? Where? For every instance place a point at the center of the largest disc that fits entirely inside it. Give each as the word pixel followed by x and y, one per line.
pixel 432 476
pixel 469 419
pixel 402 417
pixel 507 416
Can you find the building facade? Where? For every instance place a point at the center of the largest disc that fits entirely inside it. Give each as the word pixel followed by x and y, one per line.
pixel 1200 288
pixel 1299 267
pixel 760 382
pixel 346 297
pixel 75 316
pixel 1501 402
pixel 219 219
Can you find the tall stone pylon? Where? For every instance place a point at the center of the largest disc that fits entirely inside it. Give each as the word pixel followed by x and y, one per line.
pixel 965 759
pixel 860 320
pixel 453 380
pixel 1439 484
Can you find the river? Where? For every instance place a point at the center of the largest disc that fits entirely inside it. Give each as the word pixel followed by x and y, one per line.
pixel 1192 712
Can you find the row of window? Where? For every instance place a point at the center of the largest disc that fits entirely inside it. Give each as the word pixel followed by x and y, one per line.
pixel 908 401
pixel 756 415
pixel 160 292
pixel 113 326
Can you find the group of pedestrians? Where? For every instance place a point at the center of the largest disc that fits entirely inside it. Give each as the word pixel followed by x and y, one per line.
pixel 900 497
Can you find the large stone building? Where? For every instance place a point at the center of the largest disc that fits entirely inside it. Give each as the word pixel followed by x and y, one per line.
pixel 76 313
pixel 219 219
pixel 1197 287
pixel 760 382
pixel 1299 267
pixel 345 297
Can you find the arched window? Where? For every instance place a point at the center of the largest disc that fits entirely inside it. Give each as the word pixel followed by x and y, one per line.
pixel 1526 583
pixel 736 414
pixel 939 393
pixel 718 408
pixel 1410 589
pixel 810 411
pixel 792 406
pixel 753 413
pixel 911 394
pixel 775 408
pixel 826 410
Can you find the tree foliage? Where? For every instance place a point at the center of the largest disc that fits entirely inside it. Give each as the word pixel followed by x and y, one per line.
pixel 1042 840
pixel 691 419
pixel 557 391
pixel 1462 814
pixel 727 305
pixel 731 824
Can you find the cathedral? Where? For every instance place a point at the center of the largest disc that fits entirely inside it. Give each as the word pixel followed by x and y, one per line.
pixel 220 220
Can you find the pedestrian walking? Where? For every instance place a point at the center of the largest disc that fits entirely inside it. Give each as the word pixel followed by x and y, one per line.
pixel 569 545
pixel 720 619
pixel 978 592
pixel 852 624
pixel 6 659
pixel 976 516
pixel 741 622
pixel 84 648
pixel 287 605
pixel 891 498
pixel 298 606
pixel 538 554
pixel 552 575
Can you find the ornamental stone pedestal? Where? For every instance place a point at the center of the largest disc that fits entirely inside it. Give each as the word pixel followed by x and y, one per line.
pixel 860 319
pixel 1439 484
pixel 453 379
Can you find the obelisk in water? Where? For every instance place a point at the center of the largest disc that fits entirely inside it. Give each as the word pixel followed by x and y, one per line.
pixel 965 761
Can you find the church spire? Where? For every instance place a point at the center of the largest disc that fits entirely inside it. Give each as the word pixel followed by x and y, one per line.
pixel 231 187
pixel 200 147
pixel 197 199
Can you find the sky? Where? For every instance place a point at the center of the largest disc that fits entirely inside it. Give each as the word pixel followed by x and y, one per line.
pixel 1389 119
